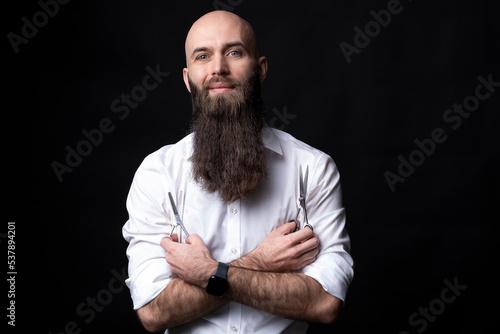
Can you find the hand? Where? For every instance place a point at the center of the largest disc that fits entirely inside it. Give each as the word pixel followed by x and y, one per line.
pixel 191 261
pixel 283 250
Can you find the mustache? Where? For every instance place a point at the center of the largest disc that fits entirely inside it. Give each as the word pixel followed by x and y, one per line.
pixel 219 79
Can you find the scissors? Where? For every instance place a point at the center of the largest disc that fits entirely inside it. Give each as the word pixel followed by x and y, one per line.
pixel 178 221
pixel 302 200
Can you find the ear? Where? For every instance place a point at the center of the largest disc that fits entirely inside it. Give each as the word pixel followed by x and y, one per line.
pixel 262 62
pixel 186 80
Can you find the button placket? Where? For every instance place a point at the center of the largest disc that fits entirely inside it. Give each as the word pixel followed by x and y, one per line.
pixel 234 320
pixel 234 229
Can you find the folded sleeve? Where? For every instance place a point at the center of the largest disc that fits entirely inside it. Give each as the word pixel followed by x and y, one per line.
pixel 333 268
pixel 148 223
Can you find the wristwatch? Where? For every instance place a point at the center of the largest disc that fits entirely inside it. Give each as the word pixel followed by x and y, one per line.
pixel 217 284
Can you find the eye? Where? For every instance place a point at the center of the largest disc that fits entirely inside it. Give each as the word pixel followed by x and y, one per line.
pixel 202 57
pixel 234 53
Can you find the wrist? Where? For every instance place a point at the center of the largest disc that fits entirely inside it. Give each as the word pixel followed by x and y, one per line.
pixel 248 262
pixel 218 284
pixel 209 270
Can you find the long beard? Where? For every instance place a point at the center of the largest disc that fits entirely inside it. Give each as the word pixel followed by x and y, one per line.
pixel 229 156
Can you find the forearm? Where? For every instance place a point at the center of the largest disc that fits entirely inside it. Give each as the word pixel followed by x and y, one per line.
pixel 179 303
pixel 265 279
pixel 288 295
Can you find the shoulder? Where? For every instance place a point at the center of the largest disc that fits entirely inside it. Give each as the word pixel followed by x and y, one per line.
pixel 292 146
pixel 165 164
pixel 165 155
pixel 296 153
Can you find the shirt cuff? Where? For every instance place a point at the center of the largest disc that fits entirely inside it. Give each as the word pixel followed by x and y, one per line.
pixel 334 272
pixel 145 283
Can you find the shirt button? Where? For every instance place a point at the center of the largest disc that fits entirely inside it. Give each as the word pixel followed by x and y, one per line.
pixel 234 250
pixel 234 211
pixel 234 329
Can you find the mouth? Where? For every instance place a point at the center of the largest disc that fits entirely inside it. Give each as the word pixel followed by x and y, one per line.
pixel 220 87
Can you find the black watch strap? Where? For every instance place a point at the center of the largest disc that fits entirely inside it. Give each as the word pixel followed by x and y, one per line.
pixel 217 284
pixel 222 269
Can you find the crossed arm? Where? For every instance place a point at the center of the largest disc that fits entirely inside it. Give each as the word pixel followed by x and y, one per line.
pixel 262 279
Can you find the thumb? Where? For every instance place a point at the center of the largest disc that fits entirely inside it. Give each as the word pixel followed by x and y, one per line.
pixel 194 239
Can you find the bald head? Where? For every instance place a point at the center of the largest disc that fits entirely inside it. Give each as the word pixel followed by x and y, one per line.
pixel 221 44
pixel 220 26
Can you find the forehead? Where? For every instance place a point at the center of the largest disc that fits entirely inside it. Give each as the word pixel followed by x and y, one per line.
pixel 216 31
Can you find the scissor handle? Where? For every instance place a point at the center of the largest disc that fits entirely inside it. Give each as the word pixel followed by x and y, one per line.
pixel 297 226
pixel 174 225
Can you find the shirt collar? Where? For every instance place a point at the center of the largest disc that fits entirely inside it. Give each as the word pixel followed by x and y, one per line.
pixel 270 140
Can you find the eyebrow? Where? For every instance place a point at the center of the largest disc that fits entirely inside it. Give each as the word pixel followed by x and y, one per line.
pixel 226 46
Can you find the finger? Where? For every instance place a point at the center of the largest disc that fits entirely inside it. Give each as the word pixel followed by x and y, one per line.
pixel 308 245
pixel 307 259
pixel 164 243
pixel 309 256
pixel 297 225
pixel 301 235
pixel 286 228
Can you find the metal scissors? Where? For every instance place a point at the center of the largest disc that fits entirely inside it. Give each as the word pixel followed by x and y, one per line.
pixel 178 221
pixel 302 199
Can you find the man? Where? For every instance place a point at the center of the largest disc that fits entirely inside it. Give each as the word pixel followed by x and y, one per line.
pixel 244 267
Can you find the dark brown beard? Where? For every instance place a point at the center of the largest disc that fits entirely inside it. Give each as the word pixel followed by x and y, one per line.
pixel 229 156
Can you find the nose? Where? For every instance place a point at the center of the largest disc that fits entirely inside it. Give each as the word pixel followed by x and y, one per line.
pixel 220 66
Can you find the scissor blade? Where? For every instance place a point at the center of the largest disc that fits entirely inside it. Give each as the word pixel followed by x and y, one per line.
pixel 301 183
pixel 184 229
pixel 176 213
pixel 304 181
pixel 173 204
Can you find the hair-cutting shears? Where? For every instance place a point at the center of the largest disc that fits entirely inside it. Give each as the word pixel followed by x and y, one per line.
pixel 178 221
pixel 302 200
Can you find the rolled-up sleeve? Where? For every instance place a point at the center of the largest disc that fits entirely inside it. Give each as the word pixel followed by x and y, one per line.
pixel 148 223
pixel 333 268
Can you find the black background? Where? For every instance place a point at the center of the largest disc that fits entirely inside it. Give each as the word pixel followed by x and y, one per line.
pixel 440 224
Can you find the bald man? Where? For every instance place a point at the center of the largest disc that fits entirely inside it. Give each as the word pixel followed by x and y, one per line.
pixel 250 264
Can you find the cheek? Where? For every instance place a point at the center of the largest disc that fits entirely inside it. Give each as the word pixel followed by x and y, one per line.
pixel 243 71
pixel 197 77
pixel 198 82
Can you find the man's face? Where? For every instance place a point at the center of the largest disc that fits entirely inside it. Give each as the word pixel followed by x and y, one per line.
pixel 221 46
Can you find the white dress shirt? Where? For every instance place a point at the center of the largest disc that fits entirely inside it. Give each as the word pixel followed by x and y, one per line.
pixel 231 231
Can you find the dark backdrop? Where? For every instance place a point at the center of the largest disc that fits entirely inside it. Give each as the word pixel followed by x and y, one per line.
pixel 419 176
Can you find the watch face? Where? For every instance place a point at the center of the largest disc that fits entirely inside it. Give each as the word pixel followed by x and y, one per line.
pixel 216 286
